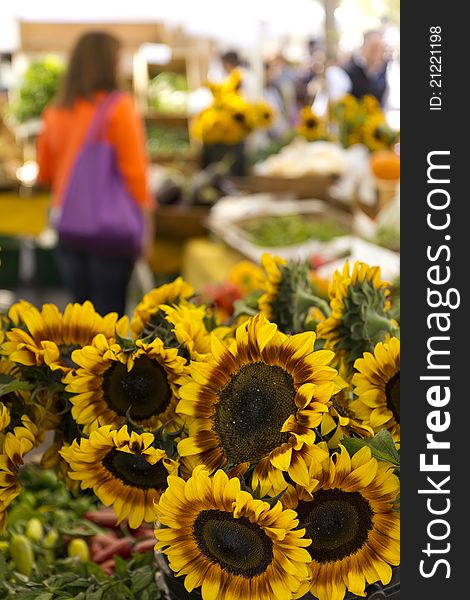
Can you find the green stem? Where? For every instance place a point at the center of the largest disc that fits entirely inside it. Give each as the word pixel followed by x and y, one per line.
pixel 376 324
pixel 306 300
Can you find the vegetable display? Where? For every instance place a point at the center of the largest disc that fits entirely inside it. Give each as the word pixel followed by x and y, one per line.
pixel 163 138
pixel 168 92
pixel 287 230
pixel 40 84
pixel 72 547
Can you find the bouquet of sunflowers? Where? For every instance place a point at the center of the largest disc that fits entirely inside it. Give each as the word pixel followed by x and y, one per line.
pixel 265 448
pixel 312 127
pixel 230 118
pixel 362 121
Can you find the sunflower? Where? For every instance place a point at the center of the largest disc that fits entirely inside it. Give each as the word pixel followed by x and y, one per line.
pixel 4 417
pixel 311 127
pixel 125 471
pixel 264 114
pixel 272 266
pixel 342 419
pixel 146 313
pixel 234 546
pixel 376 133
pixel 242 112
pixel 248 276
pixel 215 125
pixel 370 104
pixel 359 306
pixel 189 328
pixel 257 402
pixel 51 337
pixel 287 297
pixel 352 521
pixel 232 83
pixel 111 382
pixel 15 445
pixel 377 387
pixel 16 311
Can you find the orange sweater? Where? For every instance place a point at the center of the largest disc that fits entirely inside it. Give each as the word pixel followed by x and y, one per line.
pixel 63 134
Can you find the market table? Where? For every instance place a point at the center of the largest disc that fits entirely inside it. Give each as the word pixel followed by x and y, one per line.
pixel 23 215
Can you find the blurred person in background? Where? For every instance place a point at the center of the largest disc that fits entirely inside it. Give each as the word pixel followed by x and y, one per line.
pixel 364 74
pixel 284 76
pixel 92 74
pixel 272 93
pixel 310 73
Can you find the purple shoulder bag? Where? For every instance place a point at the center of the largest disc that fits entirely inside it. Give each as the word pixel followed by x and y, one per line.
pixel 99 216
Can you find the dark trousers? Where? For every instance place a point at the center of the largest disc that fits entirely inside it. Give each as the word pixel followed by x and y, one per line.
pixel 103 280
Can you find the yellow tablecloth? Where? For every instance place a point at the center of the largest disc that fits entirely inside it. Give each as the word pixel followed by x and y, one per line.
pixel 23 216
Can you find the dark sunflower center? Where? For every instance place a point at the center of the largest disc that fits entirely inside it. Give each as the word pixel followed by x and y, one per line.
pixel 135 471
pixel 144 389
pixel 238 546
pixel 251 410
pixel 392 393
pixel 340 403
pixel 240 117
pixel 338 523
pixel 310 123
pixel 378 134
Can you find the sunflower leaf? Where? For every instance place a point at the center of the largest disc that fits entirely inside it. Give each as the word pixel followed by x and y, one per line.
pixel 127 344
pixel 275 499
pixel 13 385
pixel 381 446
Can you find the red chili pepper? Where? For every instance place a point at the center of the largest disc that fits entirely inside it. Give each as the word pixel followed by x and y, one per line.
pixel 145 545
pixel 142 532
pixel 101 541
pixel 105 517
pixel 108 566
pixel 120 547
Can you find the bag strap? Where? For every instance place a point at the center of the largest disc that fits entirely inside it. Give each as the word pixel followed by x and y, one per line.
pixel 96 128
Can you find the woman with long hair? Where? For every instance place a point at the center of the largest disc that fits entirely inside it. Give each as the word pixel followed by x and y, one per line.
pixel 93 74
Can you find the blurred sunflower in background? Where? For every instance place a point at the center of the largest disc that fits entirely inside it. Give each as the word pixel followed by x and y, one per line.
pixel 311 126
pixel 248 276
pixel 377 134
pixel 264 114
pixel 231 117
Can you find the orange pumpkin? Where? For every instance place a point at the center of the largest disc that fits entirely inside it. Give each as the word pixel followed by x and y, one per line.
pixel 385 164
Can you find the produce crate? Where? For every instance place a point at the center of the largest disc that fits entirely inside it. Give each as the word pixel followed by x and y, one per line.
pixel 229 215
pixel 180 222
pixel 315 186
